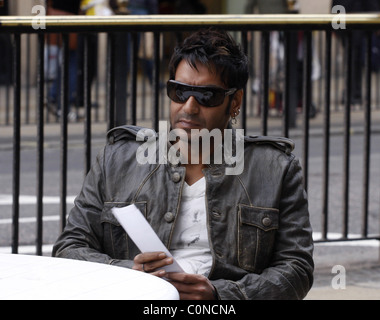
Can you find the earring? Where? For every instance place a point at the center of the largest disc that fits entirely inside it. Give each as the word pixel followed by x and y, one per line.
pixel 234 120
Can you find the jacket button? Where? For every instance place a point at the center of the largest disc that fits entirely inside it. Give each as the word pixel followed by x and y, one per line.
pixel 267 222
pixel 169 217
pixel 176 177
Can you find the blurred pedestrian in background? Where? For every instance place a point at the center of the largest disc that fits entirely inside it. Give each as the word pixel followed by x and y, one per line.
pixel 277 60
pixel 62 7
pixel 359 45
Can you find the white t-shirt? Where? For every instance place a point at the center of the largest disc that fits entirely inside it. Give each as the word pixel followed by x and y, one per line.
pixel 190 245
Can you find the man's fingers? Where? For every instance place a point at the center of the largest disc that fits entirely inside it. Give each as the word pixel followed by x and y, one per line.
pixel 191 286
pixel 159 273
pixel 151 261
pixel 184 277
pixel 152 266
pixel 148 257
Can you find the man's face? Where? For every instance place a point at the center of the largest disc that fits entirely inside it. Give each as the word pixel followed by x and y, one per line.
pixel 192 115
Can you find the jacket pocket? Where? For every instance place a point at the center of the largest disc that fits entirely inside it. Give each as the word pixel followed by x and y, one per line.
pixel 256 235
pixel 116 242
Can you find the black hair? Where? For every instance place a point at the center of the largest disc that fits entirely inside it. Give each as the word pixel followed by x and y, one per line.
pixel 217 50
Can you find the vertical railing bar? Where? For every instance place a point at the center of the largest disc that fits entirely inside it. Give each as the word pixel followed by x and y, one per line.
pixel 107 75
pixel 97 84
pixel 64 127
pixel 250 74
pixel 378 90
pixel 7 107
pixel 264 95
pixel 47 80
pixel 377 77
pixel 27 82
pixel 97 96
pixel 47 70
pixel 320 80
pixel 111 81
pixel 337 72
pixel 40 142
pixel 58 62
pixel 163 111
pixel 367 135
pixel 97 99
pixel 346 143
pixel 16 140
pixel 307 96
pixel 326 130
pixel 143 80
pixel 163 96
pixel 244 38
pixel 156 81
pixel 286 103
pixel 135 42
pixel 87 103
pixel 253 74
pixel 1 104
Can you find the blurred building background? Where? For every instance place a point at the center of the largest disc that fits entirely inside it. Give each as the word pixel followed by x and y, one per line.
pixel 23 7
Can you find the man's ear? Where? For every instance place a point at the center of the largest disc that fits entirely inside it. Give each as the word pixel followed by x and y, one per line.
pixel 237 101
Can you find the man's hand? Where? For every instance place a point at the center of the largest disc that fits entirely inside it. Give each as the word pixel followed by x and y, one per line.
pixel 149 262
pixel 192 286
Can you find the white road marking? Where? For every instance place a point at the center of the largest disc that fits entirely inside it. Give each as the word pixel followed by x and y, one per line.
pixel 30 219
pixel 7 200
pixel 353 242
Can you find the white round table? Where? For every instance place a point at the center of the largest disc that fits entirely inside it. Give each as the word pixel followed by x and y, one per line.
pixel 24 277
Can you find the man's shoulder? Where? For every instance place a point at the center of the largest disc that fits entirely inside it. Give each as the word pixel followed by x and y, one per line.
pixel 129 133
pixel 140 134
pixel 283 144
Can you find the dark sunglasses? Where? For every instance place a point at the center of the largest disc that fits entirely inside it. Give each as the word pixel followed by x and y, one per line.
pixel 207 96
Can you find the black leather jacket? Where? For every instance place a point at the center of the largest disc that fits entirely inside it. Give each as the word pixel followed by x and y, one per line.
pixel 258 221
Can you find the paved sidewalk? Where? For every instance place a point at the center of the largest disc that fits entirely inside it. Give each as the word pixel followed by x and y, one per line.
pixel 361 273
pixel 361 284
pixel 76 129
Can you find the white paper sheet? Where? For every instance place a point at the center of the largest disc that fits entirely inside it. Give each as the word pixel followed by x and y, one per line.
pixel 142 234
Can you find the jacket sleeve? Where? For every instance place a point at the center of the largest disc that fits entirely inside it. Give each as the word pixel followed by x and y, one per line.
pixel 83 234
pixel 290 272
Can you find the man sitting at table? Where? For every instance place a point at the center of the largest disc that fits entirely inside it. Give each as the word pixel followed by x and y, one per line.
pixel 240 231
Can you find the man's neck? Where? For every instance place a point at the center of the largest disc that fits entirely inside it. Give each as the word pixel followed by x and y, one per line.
pixel 193 173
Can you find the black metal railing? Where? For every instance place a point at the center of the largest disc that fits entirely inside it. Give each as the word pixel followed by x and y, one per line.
pixel 244 27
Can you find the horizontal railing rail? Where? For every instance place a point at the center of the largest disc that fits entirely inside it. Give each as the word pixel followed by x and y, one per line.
pixel 163 22
pixel 243 24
